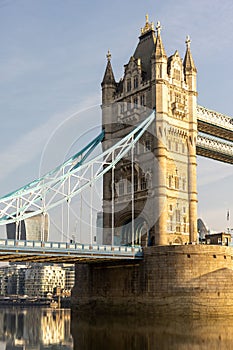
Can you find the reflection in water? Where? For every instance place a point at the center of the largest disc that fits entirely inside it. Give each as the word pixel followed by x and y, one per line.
pixel 143 333
pixel 35 328
pixel 43 329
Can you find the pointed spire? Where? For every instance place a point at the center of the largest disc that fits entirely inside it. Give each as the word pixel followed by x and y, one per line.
pixel 108 75
pixel 159 48
pixel 188 63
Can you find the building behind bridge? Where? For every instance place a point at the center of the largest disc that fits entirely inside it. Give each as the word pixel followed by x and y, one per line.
pixel 35 228
pixel 36 280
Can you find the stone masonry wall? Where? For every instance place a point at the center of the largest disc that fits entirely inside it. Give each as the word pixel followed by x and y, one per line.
pixel 180 280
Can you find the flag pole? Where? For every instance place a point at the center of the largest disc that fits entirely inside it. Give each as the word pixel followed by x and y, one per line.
pixel 228 219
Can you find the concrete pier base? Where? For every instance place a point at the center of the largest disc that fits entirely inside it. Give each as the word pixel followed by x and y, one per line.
pixel 187 280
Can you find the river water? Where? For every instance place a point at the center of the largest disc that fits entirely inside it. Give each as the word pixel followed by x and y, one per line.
pixel 41 328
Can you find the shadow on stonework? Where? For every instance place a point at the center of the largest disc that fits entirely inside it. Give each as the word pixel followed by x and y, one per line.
pixel 143 333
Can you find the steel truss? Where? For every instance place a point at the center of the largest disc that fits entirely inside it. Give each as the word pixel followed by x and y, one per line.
pixel 66 181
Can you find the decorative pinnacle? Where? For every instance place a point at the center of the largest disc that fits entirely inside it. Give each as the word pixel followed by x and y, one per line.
pixel 158 28
pixel 148 26
pixel 188 41
pixel 109 56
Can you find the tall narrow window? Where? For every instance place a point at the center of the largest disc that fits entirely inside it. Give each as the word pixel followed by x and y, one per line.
pixel 135 82
pixel 143 183
pixel 184 227
pixel 183 184
pixel 135 102
pixel 171 226
pixel 177 182
pixel 176 74
pixel 142 100
pixel 177 215
pixel 128 85
pixel 121 187
pixel 129 185
pixel 135 180
pixel 170 181
pixel 147 145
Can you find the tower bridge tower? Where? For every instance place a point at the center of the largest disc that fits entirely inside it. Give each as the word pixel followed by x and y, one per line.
pixel 151 197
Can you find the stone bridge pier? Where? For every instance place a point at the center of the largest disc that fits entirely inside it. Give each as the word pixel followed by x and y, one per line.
pixel 183 280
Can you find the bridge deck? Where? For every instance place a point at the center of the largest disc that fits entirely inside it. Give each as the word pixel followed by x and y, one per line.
pixel 37 251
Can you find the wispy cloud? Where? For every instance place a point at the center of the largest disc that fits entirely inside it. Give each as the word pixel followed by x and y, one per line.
pixel 30 145
pixel 208 20
pixel 210 171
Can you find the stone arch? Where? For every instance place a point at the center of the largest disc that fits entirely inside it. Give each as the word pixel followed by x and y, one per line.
pixel 177 241
pixel 141 232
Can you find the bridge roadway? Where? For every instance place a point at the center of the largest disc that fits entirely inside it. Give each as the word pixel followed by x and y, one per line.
pixel 61 252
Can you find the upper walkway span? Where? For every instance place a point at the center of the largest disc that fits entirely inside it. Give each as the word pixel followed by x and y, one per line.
pixel 215 135
pixel 214 123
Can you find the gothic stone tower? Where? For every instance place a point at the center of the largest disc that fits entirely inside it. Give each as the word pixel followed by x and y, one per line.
pixel 157 185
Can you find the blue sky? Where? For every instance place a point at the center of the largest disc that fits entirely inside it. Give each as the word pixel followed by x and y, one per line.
pixel 52 60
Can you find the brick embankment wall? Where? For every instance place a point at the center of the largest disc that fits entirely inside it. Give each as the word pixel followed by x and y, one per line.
pixel 181 280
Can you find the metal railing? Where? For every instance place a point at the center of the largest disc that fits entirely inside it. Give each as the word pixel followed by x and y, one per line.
pixel 61 248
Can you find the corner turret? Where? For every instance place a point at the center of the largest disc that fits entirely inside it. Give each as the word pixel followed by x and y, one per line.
pixel 160 71
pixel 108 84
pixel 190 70
pixel 159 48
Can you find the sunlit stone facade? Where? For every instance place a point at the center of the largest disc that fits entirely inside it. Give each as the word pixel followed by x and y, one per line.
pixel 163 176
